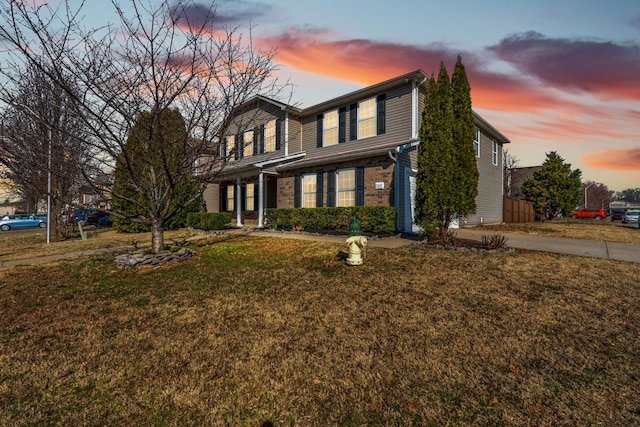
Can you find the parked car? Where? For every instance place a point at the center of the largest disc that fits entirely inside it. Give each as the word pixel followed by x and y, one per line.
pixel 94 217
pixel 631 216
pixel 17 216
pixel 617 215
pixel 588 213
pixel 105 221
pixel 30 221
pixel 78 215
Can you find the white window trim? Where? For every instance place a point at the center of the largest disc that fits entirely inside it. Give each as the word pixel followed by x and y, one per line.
pixel 476 142
pixel 350 189
pixel 231 199
pixel 250 195
pixel 273 137
pixel 374 117
pixel 314 178
pixel 494 152
pixel 246 144
pixel 230 148
pixel 325 128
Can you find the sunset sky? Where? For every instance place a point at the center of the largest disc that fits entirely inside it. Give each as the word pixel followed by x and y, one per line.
pixel 552 75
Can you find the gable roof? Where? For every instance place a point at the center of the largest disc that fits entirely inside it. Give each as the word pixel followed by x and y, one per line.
pixel 420 76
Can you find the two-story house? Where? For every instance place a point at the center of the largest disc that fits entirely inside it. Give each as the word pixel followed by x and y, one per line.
pixel 357 149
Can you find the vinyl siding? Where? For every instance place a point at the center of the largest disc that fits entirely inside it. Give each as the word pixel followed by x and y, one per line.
pixel 489 199
pixel 211 196
pixel 260 113
pixel 397 129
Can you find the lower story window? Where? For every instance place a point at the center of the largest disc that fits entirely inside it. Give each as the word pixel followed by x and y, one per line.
pixel 346 183
pixel 250 198
pixel 309 182
pixel 230 199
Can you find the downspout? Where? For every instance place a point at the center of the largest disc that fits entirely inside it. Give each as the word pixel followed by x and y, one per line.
pixel 396 185
pixel 286 133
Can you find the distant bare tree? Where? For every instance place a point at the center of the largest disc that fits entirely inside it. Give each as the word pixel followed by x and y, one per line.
pixel 510 162
pixel 597 195
pixel 40 133
pixel 169 55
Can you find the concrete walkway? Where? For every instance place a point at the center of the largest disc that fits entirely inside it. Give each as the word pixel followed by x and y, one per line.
pixel 629 252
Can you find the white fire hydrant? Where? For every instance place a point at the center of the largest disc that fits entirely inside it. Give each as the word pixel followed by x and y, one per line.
pixel 357 244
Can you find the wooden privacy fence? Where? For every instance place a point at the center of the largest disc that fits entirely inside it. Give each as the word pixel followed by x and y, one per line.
pixel 517 210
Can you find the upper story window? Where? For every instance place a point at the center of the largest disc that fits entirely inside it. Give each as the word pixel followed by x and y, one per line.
pixel 476 142
pixel 330 128
pixel 270 136
pixel 309 197
pixel 362 119
pixel 248 143
pixel 346 187
pixel 494 153
pixel 367 118
pixel 231 147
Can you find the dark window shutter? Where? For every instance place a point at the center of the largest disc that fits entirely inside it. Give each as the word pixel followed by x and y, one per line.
pixel 256 140
pixel 223 198
pixel 278 134
pixel 297 197
pixel 353 122
pixel 319 189
pixel 359 186
pixel 342 125
pixel 239 146
pixel 382 114
pixel 260 139
pixel 331 188
pixel 319 130
pixel 255 196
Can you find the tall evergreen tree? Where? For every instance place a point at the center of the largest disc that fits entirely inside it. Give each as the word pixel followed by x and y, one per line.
pixel 435 182
pixel 555 188
pixel 466 174
pixel 152 183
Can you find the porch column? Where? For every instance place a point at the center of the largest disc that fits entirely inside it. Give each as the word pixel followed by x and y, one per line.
pixel 238 202
pixel 261 200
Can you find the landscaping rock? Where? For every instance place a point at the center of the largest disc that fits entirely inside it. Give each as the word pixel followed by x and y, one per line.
pixel 140 259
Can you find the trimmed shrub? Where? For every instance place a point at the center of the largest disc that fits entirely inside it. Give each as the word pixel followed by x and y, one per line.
pixel 209 220
pixel 372 219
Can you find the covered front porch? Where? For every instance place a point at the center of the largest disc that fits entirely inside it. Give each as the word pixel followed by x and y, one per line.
pixel 247 190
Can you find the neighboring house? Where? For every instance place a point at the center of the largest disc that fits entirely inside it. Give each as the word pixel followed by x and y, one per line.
pixel 358 149
pixel 9 200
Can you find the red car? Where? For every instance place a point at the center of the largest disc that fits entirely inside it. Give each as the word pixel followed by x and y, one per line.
pixel 588 213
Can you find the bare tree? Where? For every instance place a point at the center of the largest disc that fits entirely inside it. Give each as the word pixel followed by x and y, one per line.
pixel 171 55
pixel 596 195
pixel 510 163
pixel 40 143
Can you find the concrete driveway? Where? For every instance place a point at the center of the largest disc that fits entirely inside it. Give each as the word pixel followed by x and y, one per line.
pixel 590 248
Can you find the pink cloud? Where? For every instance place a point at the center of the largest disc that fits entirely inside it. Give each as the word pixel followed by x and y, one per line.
pixel 624 160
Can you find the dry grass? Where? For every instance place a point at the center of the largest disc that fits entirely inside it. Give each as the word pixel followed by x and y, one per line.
pixel 576 229
pixel 17 246
pixel 258 329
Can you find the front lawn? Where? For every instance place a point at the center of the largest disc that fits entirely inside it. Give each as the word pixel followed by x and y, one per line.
pixel 256 329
